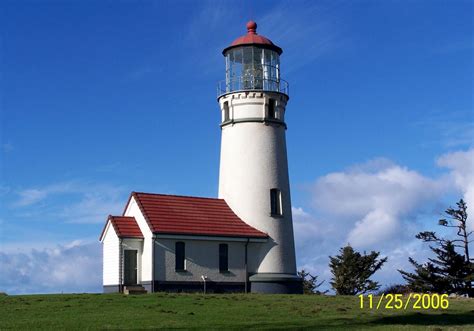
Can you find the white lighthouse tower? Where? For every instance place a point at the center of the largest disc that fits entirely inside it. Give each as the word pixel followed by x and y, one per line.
pixel 253 177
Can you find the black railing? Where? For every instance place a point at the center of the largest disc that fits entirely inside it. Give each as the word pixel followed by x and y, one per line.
pixel 252 83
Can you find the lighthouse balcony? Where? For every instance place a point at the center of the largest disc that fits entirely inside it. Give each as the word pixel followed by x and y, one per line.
pixel 252 83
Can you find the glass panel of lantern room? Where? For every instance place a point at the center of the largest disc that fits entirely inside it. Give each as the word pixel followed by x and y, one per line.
pixel 236 68
pixel 258 68
pixel 228 72
pixel 248 74
pixel 267 69
pixel 276 59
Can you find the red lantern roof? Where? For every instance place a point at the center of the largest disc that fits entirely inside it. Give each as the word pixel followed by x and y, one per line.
pixel 253 39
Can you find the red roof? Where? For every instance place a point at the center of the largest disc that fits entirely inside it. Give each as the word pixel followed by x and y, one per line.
pixel 252 38
pixel 125 227
pixel 171 214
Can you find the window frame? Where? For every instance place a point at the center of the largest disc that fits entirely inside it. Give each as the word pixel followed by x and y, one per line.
pixel 276 208
pixel 271 109
pixel 226 112
pixel 181 259
pixel 223 258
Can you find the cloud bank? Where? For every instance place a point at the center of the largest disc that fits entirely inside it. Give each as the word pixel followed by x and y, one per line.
pixel 379 205
pixel 73 268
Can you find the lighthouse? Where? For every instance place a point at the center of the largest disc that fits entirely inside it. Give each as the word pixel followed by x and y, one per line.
pixel 253 173
pixel 241 241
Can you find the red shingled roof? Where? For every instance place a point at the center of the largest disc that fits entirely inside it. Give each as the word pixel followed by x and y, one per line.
pixel 252 38
pixel 125 227
pixel 171 214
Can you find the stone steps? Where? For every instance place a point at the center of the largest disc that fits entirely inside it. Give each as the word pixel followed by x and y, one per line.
pixel 134 289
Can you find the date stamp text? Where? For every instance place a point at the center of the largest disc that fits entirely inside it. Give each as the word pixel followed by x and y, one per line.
pixel 400 301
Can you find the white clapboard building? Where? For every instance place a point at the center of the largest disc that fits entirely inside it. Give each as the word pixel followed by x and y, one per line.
pixel 241 241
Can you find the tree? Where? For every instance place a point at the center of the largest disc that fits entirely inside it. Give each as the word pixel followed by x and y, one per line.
pixel 310 283
pixel 457 218
pixel 449 271
pixel 442 274
pixel 352 270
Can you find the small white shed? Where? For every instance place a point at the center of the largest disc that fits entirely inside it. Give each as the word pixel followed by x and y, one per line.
pixel 122 250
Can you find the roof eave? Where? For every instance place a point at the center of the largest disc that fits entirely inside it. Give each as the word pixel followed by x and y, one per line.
pixel 201 237
pixel 263 236
pixel 101 237
pixel 267 46
pixel 131 237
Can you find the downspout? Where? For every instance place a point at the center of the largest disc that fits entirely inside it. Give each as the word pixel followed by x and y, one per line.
pixel 153 264
pixel 120 266
pixel 246 265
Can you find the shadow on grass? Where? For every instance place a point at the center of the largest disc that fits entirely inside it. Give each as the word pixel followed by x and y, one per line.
pixel 428 319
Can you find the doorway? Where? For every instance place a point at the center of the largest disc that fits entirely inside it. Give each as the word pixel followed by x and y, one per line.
pixel 130 267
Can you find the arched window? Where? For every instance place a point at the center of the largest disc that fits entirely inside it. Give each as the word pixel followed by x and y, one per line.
pixel 223 257
pixel 180 259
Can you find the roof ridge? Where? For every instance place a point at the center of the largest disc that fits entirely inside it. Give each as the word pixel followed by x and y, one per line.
pixel 176 195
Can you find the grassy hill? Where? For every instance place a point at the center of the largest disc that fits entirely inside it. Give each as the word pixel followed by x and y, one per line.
pixel 229 311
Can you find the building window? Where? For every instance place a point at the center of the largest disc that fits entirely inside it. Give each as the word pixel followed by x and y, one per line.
pixel 226 111
pixel 223 257
pixel 275 202
pixel 180 256
pixel 271 108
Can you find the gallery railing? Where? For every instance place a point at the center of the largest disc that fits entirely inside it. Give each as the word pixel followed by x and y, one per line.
pixel 252 83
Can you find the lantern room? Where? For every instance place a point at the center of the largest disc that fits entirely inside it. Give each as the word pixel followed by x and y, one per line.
pixel 252 63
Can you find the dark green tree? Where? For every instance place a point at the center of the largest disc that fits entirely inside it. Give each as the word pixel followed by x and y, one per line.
pixel 310 283
pixel 449 271
pixel 352 270
pixel 443 274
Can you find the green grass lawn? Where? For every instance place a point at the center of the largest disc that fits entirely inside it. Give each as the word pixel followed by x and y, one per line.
pixel 223 311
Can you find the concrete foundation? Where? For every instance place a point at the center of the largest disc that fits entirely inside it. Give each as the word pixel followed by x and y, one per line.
pixel 272 283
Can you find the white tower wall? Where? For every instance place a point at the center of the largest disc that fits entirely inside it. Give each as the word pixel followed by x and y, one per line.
pixel 254 161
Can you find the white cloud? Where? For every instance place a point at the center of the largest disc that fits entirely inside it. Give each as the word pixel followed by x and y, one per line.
pixel 461 165
pixel 453 129
pixel 305 227
pixel 299 212
pixel 73 201
pixel 92 208
pixel 76 267
pixel 380 206
pixel 363 189
pixel 376 226
pixel 44 265
pixel 32 196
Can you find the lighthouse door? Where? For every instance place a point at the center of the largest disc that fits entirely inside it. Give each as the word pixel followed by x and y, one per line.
pixel 130 267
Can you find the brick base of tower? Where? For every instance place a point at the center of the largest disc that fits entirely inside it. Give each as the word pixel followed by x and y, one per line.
pixel 274 283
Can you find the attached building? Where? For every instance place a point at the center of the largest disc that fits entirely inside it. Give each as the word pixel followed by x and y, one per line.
pixel 167 242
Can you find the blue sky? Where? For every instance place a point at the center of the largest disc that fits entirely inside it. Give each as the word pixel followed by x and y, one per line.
pixel 99 98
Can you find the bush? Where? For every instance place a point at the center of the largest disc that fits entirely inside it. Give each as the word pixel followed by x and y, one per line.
pixel 395 289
